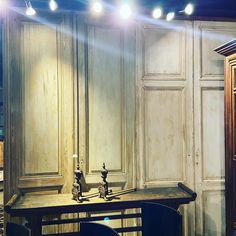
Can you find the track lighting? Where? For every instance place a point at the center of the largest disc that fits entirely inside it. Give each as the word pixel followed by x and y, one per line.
pixel 29 9
pixel 157 12
pixel 170 16
pixel 125 11
pixel 53 5
pixel 188 10
pixel 3 3
pixel 97 7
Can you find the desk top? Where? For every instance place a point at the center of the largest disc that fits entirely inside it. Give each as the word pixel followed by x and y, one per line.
pixel 63 203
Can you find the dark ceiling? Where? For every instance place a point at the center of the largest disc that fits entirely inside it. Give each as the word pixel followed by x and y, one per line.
pixel 203 8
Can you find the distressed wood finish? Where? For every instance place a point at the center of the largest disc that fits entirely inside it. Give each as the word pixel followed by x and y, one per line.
pixel 209 125
pixel 39 111
pixel 229 51
pixel 35 207
pixel 45 104
pixel 164 107
pixel 106 102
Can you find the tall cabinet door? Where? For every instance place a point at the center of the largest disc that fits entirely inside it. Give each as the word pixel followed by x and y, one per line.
pixel 165 107
pixel 39 109
pixel 209 125
pixel 230 119
pixel 106 85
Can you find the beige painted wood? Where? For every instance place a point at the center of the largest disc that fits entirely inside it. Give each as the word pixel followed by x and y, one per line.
pixel 106 102
pixel 209 125
pixel 106 112
pixel 159 56
pixel 214 212
pixel 164 134
pixel 98 111
pixel 164 102
pixel 106 69
pixel 212 106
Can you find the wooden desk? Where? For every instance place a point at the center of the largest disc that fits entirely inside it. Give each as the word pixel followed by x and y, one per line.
pixel 33 208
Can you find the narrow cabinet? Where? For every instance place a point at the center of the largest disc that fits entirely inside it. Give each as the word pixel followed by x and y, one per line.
pixel 229 51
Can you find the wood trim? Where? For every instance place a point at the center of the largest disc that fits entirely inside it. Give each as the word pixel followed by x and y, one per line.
pixel 227 49
pixel 40 182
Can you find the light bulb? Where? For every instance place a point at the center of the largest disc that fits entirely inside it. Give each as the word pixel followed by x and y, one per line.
pixel 97 7
pixel 3 3
pixel 125 11
pixel 30 11
pixel 170 16
pixel 157 12
pixel 189 9
pixel 53 5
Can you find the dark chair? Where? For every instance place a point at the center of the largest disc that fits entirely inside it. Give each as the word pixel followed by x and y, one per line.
pixel 13 229
pixel 160 220
pixel 95 229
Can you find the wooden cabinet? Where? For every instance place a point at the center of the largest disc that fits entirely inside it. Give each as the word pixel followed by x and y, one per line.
pixel 229 51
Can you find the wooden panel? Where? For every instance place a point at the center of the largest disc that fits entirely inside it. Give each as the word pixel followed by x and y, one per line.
pixel 41 101
pixel 163 47
pixel 212 35
pixel 164 136
pixel 212 143
pixel 1 154
pixel 214 211
pixel 209 124
pixel 106 109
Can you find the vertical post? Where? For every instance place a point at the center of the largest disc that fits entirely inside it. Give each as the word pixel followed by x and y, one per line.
pixel 35 224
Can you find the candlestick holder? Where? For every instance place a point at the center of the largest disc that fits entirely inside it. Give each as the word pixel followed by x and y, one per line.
pixel 103 186
pixel 77 187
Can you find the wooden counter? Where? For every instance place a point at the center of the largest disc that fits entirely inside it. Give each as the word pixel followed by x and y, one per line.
pixel 34 207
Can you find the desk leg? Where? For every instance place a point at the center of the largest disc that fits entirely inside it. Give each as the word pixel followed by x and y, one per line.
pixel 35 224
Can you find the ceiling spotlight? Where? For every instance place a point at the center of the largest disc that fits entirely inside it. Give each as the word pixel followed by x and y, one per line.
pixel 125 11
pixel 97 7
pixel 53 5
pixel 29 9
pixel 3 3
pixel 157 12
pixel 188 10
pixel 170 16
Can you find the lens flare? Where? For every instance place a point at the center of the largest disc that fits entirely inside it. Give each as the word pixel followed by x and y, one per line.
pixel 125 11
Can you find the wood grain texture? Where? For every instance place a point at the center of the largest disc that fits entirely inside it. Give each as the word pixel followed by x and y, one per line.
pixel 41 89
pixel 212 35
pixel 160 50
pixel 209 124
pixel 42 136
pixel 59 203
pixel 164 134
pixel 106 102
pixel 105 76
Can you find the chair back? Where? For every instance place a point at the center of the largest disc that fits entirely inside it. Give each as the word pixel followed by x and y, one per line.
pixel 160 220
pixel 13 229
pixel 96 229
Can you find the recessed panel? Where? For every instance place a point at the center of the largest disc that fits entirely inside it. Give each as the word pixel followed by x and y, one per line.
pixel 213 213
pixel 213 133
pixel 164 134
pixel 41 103
pixel 212 63
pixel 163 51
pixel 105 98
